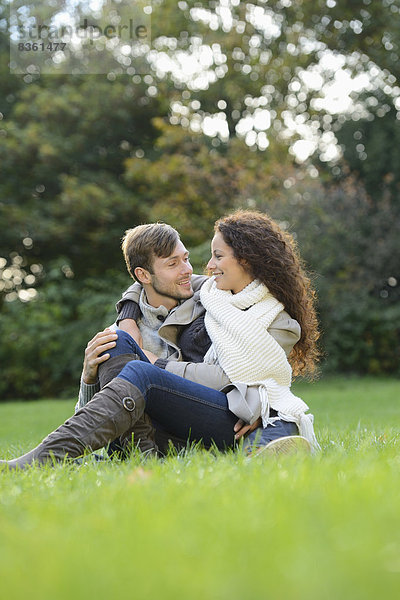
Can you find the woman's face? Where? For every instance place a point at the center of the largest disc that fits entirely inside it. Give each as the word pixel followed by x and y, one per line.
pixel 229 273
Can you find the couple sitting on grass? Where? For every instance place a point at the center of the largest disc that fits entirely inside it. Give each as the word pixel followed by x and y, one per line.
pixel 198 358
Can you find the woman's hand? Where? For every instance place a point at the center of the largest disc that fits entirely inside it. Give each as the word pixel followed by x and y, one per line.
pixel 241 428
pixel 151 356
pixel 102 341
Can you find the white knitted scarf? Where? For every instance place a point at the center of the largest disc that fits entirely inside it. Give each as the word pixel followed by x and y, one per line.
pixel 237 325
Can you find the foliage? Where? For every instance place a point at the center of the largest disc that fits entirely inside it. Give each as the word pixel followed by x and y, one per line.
pixel 83 158
pixel 371 146
pixel 351 244
pixel 44 339
pixel 62 159
pixel 67 139
pixel 189 184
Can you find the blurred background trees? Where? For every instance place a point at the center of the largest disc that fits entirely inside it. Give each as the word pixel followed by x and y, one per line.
pixel 290 107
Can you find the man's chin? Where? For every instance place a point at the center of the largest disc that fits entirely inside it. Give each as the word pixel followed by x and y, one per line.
pixel 185 294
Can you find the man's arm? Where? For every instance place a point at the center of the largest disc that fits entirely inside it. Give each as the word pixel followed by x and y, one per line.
pixel 102 341
pixel 86 393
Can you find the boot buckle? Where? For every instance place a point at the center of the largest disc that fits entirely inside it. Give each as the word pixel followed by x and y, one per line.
pixel 129 403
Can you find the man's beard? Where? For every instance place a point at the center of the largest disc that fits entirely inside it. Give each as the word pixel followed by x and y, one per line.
pixel 170 291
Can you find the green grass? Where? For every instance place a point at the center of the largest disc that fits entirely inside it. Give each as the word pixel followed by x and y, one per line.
pixel 207 525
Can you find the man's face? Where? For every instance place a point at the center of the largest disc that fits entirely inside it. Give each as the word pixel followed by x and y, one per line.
pixel 170 278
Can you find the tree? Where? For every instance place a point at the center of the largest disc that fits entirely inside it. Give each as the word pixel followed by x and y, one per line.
pixel 371 147
pixel 351 245
pixel 62 162
pixel 85 157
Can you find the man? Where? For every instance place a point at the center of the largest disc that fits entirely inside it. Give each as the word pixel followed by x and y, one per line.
pixel 166 297
pixel 163 313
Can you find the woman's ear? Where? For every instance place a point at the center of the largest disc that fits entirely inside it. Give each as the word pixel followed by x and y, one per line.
pixel 142 275
pixel 243 263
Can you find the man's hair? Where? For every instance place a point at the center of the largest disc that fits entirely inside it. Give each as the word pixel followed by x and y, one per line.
pixel 143 243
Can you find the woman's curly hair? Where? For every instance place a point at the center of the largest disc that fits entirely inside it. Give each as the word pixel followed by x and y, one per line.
pixel 271 255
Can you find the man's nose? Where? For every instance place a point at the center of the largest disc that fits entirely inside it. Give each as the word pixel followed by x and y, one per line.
pixel 187 267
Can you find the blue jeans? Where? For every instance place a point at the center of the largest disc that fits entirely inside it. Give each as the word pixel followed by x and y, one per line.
pixel 188 410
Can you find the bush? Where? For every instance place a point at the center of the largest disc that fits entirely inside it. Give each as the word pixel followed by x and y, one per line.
pixel 43 340
pixel 351 244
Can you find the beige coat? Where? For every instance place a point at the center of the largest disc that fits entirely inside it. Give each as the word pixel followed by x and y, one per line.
pixel 243 400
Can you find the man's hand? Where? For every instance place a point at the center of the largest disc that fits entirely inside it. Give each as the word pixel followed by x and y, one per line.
pixel 102 341
pixel 241 427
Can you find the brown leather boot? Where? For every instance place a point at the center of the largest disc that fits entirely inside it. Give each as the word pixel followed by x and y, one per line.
pixel 111 412
pixel 142 434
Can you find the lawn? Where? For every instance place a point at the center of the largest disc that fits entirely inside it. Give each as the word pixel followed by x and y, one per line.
pixel 211 526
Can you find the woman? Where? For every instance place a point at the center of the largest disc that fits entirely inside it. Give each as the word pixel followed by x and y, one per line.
pixel 257 274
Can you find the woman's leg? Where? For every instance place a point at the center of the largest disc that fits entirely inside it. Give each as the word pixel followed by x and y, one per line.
pixel 146 434
pixel 125 344
pixel 264 435
pixel 125 350
pixel 184 408
pixel 110 413
pixel 142 434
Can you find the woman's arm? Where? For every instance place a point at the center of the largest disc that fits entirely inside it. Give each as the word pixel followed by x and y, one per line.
pixel 128 315
pixel 211 376
pixel 286 331
pixel 283 329
pixel 131 327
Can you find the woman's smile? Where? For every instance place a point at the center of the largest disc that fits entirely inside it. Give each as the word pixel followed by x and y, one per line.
pixel 228 272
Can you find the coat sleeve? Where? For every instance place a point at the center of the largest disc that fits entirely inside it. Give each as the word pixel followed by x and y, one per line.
pixel 286 331
pixel 132 293
pixel 86 393
pixel 211 376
